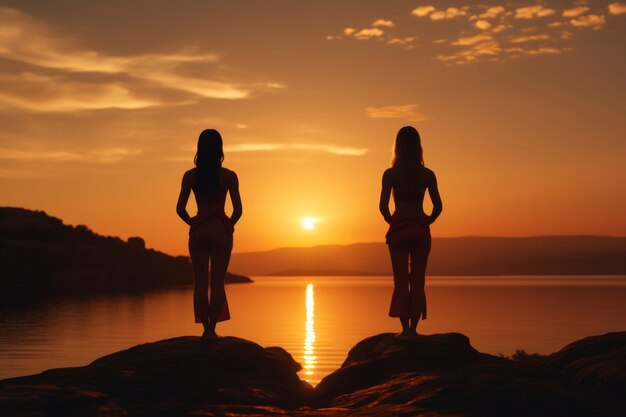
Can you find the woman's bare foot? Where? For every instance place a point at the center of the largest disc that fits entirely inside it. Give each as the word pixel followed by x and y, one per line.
pixel 209 335
pixel 209 331
pixel 403 335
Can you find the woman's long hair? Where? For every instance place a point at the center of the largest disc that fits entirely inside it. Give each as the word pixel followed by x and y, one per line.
pixel 208 161
pixel 407 152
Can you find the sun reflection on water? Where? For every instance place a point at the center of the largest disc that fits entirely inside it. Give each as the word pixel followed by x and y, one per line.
pixel 309 357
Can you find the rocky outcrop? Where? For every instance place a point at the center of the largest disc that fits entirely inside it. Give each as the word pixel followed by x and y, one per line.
pixel 377 359
pixel 444 375
pixel 595 363
pixel 436 375
pixel 170 377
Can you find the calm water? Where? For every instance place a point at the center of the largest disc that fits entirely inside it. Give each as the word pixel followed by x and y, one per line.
pixel 318 319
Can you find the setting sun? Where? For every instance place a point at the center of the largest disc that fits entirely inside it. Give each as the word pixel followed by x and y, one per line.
pixel 308 223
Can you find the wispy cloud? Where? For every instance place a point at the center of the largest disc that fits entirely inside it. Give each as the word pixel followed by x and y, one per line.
pixel 408 42
pixel 422 11
pixel 375 33
pixel 575 11
pixel 316 147
pixel 109 155
pixel 449 13
pixel 544 50
pixel 590 20
pixel 51 156
pixel 531 12
pixel 383 22
pixel 403 111
pixel 617 8
pixel 434 14
pixel 491 30
pixel 482 24
pixel 476 47
pixel 368 33
pixel 30 41
pixel 492 12
pixel 471 40
pixel 360 34
pixel 531 38
pixel 499 28
pixel 47 93
pixel 101 155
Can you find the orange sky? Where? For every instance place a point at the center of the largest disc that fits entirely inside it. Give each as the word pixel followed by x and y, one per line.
pixel 520 106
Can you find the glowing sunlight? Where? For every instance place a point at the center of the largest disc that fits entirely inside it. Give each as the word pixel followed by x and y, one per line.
pixel 309 357
pixel 309 223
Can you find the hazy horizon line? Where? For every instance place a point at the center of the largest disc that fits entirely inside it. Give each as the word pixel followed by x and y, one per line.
pixel 381 241
pixel 442 237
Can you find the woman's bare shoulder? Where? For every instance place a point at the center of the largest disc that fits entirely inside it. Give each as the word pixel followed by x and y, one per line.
pixel 428 171
pixel 189 175
pixel 228 175
pixel 389 173
pixel 429 174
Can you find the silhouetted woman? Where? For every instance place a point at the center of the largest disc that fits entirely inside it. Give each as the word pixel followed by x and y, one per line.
pixel 408 237
pixel 211 230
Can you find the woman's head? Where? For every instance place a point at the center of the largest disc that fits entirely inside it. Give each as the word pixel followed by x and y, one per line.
pixel 210 152
pixel 208 160
pixel 407 151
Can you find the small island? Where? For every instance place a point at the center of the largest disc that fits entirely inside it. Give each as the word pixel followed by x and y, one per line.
pixel 40 255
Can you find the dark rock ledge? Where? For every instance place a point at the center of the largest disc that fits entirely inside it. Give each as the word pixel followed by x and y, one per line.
pixel 436 375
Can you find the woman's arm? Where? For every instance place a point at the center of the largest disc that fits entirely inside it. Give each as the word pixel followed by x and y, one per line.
pixel 183 197
pixel 235 198
pixel 385 194
pixel 433 192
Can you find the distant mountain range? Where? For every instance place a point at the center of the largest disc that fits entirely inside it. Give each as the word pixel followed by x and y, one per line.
pixel 40 254
pixel 543 255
